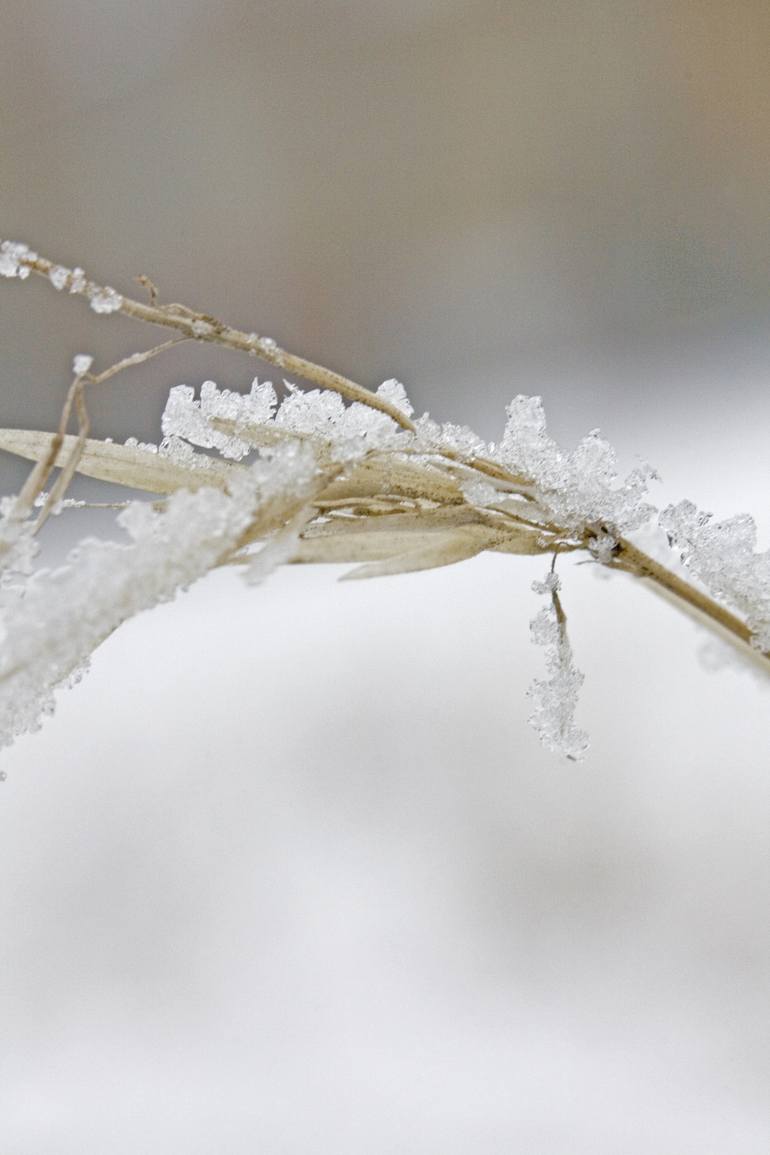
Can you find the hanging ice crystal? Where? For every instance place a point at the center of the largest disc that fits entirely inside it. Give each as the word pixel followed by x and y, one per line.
pixel 723 555
pixel 555 698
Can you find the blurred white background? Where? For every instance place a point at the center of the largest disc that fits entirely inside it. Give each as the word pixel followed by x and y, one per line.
pixel 288 872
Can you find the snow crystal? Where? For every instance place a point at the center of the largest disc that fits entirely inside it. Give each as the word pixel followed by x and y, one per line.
pixel 555 697
pixel 603 546
pixel 58 276
pixel 434 438
pixel 191 419
pixel 722 555
pixel 78 281
pixel 581 489
pixel 105 300
pixel 550 584
pixel 480 493
pixel 201 328
pixel 65 503
pixel 350 429
pixel 134 443
pixel 13 254
pixel 183 453
pixel 18 548
pixel 81 363
pixel 394 393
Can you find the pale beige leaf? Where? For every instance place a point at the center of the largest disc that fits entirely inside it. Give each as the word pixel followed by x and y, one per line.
pixel 119 464
pixel 381 475
pixel 359 547
pixel 521 540
pixel 420 521
pixel 440 548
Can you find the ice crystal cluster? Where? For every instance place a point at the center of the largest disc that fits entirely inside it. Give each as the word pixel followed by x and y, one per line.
pixel 723 556
pixel 327 474
pixel 52 622
pixel 233 423
pixel 579 489
pixel 555 698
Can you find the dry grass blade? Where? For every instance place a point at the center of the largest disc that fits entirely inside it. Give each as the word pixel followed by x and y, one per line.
pixel 120 464
pixel 439 548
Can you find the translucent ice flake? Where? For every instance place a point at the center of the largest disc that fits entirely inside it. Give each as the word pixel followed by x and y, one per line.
pixel 723 556
pixel 394 393
pixel 13 255
pixel 603 546
pixel 105 300
pixel 58 276
pixel 478 492
pixel 201 328
pixel 580 489
pixel 432 437
pixel 81 363
pixel 555 697
pixel 78 281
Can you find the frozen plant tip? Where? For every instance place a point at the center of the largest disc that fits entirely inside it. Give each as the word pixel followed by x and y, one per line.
pixel 337 473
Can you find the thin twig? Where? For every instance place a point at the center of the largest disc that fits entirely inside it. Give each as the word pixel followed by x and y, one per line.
pixel 202 327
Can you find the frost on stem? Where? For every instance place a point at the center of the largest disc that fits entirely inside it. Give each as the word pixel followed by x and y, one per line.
pixel 233 423
pixel 579 489
pixel 105 300
pixel 13 255
pixel 723 556
pixel 53 621
pixel 81 363
pixel 336 481
pixel 555 698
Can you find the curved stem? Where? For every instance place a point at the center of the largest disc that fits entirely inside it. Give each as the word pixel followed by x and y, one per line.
pixel 201 327
pixel 636 561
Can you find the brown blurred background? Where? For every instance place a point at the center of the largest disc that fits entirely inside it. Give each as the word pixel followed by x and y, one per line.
pixel 480 198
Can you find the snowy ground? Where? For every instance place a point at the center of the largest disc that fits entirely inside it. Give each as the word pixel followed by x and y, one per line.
pixel 289 873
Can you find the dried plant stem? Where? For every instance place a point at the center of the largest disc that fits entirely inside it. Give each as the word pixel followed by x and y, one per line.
pixel 202 327
pixel 192 325
pixel 633 560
